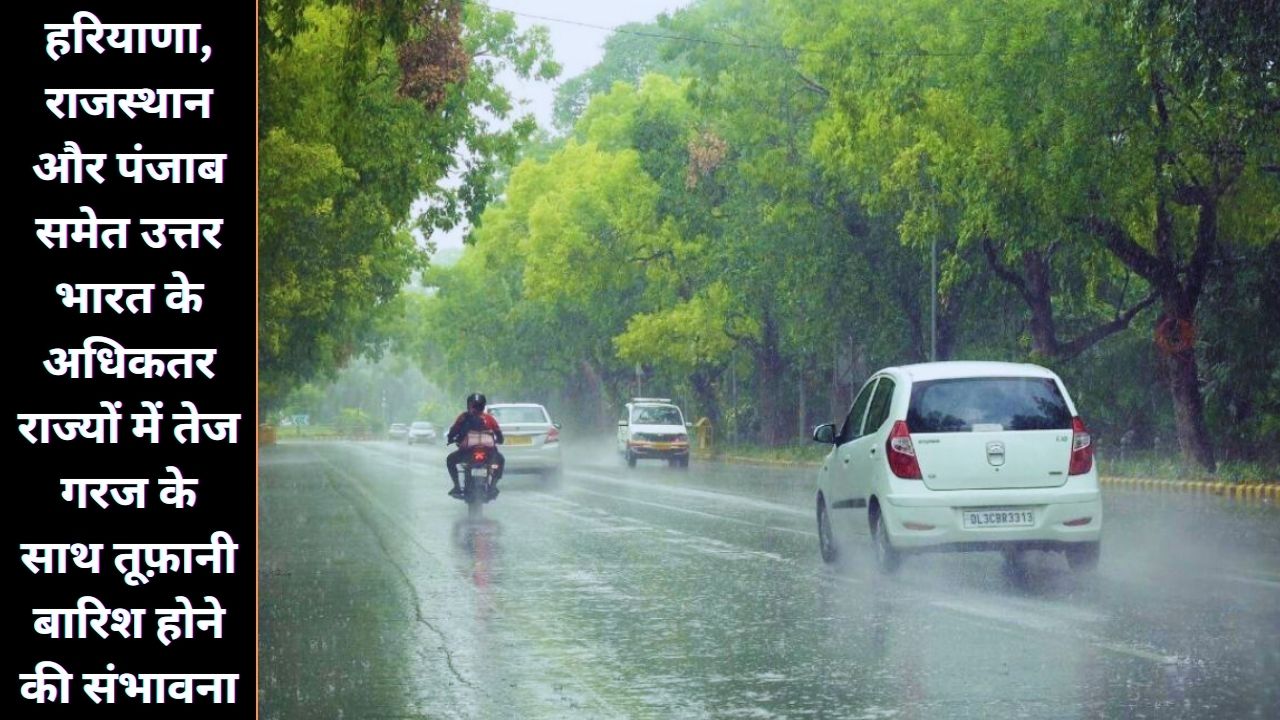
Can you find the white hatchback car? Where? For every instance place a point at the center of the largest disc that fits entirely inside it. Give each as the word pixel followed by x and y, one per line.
pixel 961 456
pixel 531 441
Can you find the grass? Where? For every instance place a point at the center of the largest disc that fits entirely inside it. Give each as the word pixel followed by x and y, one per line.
pixel 804 453
pixel 323 432
pixel 1173 467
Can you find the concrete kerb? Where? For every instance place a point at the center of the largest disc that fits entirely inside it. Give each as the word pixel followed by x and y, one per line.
pixel 1237 491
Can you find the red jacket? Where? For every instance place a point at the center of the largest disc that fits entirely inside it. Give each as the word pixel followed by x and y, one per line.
pixel 468 422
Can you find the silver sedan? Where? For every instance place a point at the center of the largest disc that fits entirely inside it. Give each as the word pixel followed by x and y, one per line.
pixel 532 440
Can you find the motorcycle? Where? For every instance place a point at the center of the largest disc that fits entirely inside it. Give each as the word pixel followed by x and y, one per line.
pixel 478 471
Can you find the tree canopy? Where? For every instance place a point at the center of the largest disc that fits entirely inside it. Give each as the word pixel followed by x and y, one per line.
pixel 746 200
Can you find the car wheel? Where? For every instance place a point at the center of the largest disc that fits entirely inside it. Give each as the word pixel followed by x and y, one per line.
pixel 684 463
pixel 631 460
pixel 888 559
pixel 826 539
pixel 1083 557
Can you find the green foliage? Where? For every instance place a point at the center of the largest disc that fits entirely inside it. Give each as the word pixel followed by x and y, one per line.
pixel 749 221
pixel 686 336
pixel 365 108
pixel 629 54
pixel 353 422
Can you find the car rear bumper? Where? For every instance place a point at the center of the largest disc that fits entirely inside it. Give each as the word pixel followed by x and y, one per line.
pixel 915 524
pixel 519 460
pixel 657 450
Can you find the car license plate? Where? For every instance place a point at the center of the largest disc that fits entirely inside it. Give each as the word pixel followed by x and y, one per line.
pixel 661 446
pixel 977 518
pixel 520 440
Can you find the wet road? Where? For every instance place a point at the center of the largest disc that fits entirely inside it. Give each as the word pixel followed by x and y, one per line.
pixel 657 593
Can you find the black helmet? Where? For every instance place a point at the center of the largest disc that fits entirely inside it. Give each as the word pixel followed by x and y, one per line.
pixel 476 401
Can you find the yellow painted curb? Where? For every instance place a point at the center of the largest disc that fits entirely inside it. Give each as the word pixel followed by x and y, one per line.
pixel 1236 491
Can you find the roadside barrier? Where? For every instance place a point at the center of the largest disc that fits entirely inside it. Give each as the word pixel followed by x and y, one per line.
pixel 1237 491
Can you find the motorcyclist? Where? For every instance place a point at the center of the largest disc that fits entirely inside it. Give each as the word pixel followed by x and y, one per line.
pixel 474 419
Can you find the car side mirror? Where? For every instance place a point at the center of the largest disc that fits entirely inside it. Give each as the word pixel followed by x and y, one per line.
pixel 825 433
pixel 688 424
pixel 555 425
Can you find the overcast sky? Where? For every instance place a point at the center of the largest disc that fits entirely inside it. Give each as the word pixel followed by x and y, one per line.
pixel 576 47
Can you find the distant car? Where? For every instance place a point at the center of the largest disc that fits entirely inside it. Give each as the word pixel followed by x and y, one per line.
pixel 422 431
pixel 398 431
pixel 961 456
pixel 531 440
pixel 653 428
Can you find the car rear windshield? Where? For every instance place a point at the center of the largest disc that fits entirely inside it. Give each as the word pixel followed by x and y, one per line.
pixel 515 415
pixel 967 404
pixel 656 416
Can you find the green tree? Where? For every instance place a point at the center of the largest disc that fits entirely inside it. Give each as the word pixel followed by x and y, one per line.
pixel 972 120
pixel 630 53
pixel 365 109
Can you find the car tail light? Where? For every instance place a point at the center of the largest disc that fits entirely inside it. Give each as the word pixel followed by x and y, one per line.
pixel 553 435
pixel 901 453
pixel 478 456
pixel 1081 448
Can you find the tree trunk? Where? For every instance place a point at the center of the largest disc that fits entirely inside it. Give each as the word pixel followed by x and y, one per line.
pixel 1188 410
pixel 703 383
pixel 802 412
pixel 1183 375
pixel 1039 297
pixel 1178 302
pixel 773 423
pixel 592 398
pixel 1035 285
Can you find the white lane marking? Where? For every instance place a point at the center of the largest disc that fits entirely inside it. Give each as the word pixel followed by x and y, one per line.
pixel 1004 614
pixel 740 500
pixel 1002 624
pixel 359 487
pixel 1272 584
pixel 698 543
pixel 701 513
pixel 719 497
pixel 1025 623
pixel 1004 618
